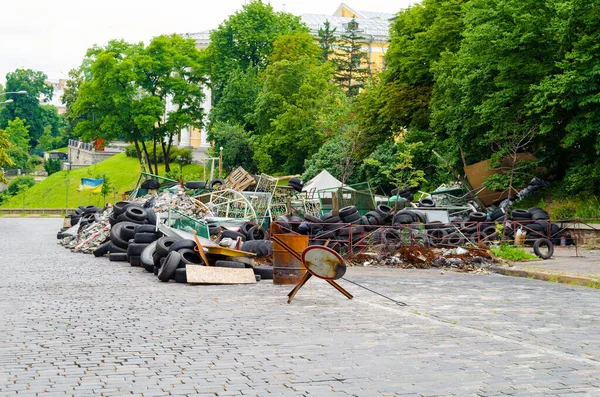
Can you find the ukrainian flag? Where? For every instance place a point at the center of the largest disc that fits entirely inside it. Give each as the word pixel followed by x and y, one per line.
pixel 91 185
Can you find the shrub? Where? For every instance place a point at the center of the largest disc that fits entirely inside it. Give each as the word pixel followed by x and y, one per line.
pixel 13 185
pixel 52 165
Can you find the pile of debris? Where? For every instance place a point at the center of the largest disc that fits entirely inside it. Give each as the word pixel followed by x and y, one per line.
pixel 476 260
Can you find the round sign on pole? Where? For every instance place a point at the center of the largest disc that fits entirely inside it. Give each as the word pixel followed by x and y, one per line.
pixel 323 262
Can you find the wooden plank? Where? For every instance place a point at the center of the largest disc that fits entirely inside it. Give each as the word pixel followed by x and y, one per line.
pixel 197 274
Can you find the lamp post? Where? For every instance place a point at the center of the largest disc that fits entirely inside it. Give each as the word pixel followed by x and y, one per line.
pixel 220 161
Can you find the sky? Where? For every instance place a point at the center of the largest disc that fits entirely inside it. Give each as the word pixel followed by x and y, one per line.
pixel 53 35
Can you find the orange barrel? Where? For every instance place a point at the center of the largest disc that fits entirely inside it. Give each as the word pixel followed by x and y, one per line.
pixel 286 268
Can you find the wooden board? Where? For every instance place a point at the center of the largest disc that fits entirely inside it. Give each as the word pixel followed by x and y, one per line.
pixel 239 179
pixel 197 274
pixel 228 252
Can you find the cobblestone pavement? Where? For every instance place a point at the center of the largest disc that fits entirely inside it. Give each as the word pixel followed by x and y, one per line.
pixel 72 324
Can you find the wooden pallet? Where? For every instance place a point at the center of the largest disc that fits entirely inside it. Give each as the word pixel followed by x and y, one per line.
pixel 239 179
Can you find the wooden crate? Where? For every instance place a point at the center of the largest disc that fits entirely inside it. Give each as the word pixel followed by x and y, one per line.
pixel 239 179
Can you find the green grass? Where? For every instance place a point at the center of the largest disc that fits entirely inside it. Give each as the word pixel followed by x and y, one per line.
pixel 122 172
pixel 511 253
pixel 62 149
pixel 561 205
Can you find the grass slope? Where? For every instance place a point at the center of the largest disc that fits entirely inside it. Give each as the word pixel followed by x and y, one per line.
pixel 122 172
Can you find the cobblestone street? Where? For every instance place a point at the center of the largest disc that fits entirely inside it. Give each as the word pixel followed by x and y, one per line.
pixel 72 324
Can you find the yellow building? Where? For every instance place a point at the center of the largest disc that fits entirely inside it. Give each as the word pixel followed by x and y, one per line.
pixel 373 26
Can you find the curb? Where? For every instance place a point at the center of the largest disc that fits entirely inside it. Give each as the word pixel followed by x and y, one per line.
pixel 559 278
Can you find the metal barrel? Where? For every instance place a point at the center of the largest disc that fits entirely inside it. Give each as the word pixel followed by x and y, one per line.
pixel 286 268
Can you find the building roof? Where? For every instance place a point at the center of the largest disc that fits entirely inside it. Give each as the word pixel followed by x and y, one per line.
pixel 375 28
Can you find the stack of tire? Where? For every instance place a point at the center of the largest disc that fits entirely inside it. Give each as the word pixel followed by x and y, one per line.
pixel 131 224
pixel 536 223
pixel 83 216
pixel 405 193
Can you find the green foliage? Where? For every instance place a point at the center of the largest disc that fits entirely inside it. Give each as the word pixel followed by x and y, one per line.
pixel 14 186
pixel 246 40
pixel 174 154
pixel 326 40
pixel 290 115
pixel 5 160
pixel 512 253
pixel 337 157
pixel 27 107
pixel 349 59
pixel 292 46
pixel 18 134
pixel 52 165
pixel 236 144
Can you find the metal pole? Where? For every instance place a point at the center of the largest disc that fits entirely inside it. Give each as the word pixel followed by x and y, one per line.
pixel 220 161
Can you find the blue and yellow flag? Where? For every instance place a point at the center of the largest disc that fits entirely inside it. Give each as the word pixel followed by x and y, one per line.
pixel 91 185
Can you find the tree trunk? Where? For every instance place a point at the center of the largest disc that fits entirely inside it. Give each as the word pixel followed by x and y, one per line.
pixel 147 156
pixel 139 154
pixel 154 155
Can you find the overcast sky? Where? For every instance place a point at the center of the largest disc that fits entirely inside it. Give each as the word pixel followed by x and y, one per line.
pixel 53 35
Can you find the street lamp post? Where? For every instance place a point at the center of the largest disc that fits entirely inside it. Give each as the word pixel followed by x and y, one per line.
pixel 220 161
pixel 21 92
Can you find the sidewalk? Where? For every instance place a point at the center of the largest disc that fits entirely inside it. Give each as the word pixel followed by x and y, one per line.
pixel 568 266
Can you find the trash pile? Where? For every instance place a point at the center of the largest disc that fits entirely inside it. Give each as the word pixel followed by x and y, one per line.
pixel 134 232
pixel 474 259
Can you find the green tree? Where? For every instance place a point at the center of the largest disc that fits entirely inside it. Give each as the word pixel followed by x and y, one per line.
pixel 27 107
pixel 291 113
pixel 326 40
pixel 483 90
pixel 245 40
pixel 5 160
pixel 18 134
pixel 350 60
pixel 292 46
pixel 236 144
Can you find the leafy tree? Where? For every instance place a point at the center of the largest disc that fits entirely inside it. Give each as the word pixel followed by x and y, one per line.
pixel 291 113
pixel 245 40
pixel 326 40
pixel 350 59
pixel 5 160
pixel 18 134
pixel 169 69
pixel 237 100
pixel 52 166
pixel 27 107
pixel 292 46
pixel 483 90
pixel 236 144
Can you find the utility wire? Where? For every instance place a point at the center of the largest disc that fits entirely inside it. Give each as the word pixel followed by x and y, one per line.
pixel 376 293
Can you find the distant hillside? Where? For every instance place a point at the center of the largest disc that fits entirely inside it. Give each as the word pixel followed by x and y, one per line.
pixel 122 172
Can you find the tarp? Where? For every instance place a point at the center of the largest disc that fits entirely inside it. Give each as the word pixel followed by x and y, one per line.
pixel 91 185
pixel 324 180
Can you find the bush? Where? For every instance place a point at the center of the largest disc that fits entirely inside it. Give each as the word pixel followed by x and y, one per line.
pixel 13 185
pixel 174 154
pixel 237 148
pixel 52 165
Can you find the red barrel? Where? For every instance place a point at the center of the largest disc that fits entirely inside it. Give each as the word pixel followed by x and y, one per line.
pixel 286 268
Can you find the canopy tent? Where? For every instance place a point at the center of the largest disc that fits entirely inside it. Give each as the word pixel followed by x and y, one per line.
pixel 324 180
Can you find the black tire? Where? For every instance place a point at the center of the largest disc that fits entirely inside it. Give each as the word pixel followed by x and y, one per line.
pixel 136 213
pixel 136 249
pixel 478 217
pixel 233 235
pixel 245 228
pixel 426 203
pixel 437 235
pixel 115 235
pixel 147 257
pixel 91 209
pixel 180 275
pixel 296 181
pixel 118 257
pixel 179 244
pixel 257 233
pixel 213 231
pixel 128 231
pixel 351 218
pixel 295 186
pixel 146 237
pixel 156 258
pixel 102 249
pixel 497 214
pixel 189 257
pixel 373 215
pixel 265 272
pixel 135 260
pixel 540 243
pixel 113 249
pixel 489 230
pixel 216 182
pixel 433 225
pixel 312 219
pixel 540 215
pixel 402 219
pixel 156 269
pixel 150 184
pixel 118 207
pixel 151 217
pixel 347 211
pixel 146 229
pixel 231 264
pixel 262 248
pixel 125 218
pixel 112 219
pixel 168 268
pixel 195 185
pixel 520 214
pixel 453 239
pixel 163 244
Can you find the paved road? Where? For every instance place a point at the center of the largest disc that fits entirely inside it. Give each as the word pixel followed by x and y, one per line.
pixel 72 324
